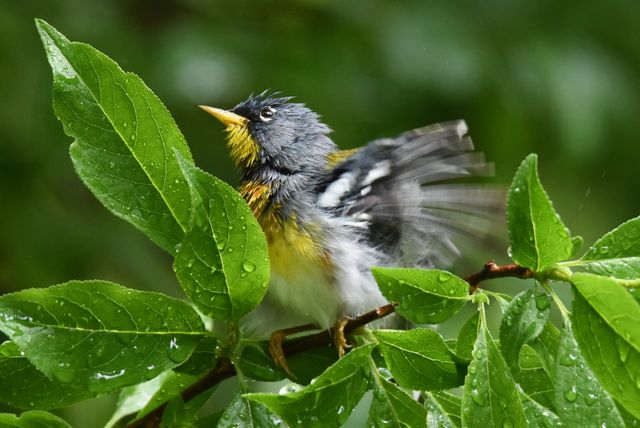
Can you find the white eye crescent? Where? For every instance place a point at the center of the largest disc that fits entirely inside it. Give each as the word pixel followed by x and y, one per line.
pixel 267 113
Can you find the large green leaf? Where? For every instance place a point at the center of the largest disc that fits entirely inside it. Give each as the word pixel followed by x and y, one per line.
pixel 538 415
pixel 537 235
pixel 99 335
pixel 391 406
pixel 452 405
pixel 490 394
pixel 614 361
pixel 523 321
pixel 534 379
pixel 329 399
pixel 423 296
pixel 419 359
pixel 223 262
pixel 613 303
pixel 32 419
pixel 580 401
pixel 467 336
pixel 617 253
pixel 245 413
pixel 437 416
pixel 124 138
pixel 25 387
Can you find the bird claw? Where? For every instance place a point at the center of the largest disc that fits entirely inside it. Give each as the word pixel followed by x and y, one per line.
pixel 277 353
pixel 339 339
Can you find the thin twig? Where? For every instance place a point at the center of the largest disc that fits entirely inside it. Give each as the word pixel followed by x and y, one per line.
pixel 224 369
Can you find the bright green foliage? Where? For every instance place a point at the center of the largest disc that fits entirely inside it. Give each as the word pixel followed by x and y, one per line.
pixel 419 359
pixel 616 253
pixel 579 399
pixel 538 237
pixel 423 296
pixel 32 419
pixel 329 399
pixel 490 394
pixel 523 321
pixel 81 339
pixel 222 264
pixel 467 337
pixel 124 139
pixel 614 361
pixel 26 387
pixel 99 335
pixel 391 405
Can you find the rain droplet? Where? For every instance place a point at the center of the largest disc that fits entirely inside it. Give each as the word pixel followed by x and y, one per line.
pixel 568 359
pixel 472 369
pixel 133 137
pixel 477 397
pixel 221 245
pixel 571 394
pixel 248 266
pixel 542 302
pixel 444 277
pixel 289 389
pixel 590 398
pixel 478 354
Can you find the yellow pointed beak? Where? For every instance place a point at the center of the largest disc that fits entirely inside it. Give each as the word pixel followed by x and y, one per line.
pixel 225 116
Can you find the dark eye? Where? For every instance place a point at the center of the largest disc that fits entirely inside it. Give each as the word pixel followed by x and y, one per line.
pixel 267 113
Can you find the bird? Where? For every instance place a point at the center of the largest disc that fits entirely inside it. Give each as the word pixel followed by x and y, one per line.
pixel 330 215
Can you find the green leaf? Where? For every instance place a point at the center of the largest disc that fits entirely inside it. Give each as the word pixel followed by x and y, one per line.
pixel 423 296
pixel 245 413
pixel 419 359
pixel 255 363
pixel 132 399
pixel 579 399
pixel 490 394
pixel 202 359
pixel 538 415
pixel 523 321
pixel 98 335
pixel 613 303
pixel 534 379
pixel 546 347
pixel 391 406
pixel 329 399
pixel 614 361
pixel 172 385
pixel 437 416
pixel 467 337
pixel 125 138
pixel 26 387
pixel 537 235
pixel 309 364
pixel 223 263
pixel 617 253
pixel 32 419
pixel 450 403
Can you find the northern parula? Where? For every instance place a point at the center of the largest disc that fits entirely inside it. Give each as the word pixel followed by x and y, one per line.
pixel 329 215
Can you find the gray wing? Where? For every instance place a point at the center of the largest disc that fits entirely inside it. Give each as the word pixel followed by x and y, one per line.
pixel 413 197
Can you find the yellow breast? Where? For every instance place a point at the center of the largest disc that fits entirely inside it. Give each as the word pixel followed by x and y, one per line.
pixel 292 248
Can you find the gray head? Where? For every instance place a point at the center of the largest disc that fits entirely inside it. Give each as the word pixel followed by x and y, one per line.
pixel 266 131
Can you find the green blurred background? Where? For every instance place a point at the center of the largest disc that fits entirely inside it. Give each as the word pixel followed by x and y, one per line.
pixel 558 78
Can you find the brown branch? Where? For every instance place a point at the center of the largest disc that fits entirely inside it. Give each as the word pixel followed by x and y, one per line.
pixel 224 368
pixel 492 270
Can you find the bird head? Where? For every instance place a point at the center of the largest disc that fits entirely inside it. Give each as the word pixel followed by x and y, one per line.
pixel 271 131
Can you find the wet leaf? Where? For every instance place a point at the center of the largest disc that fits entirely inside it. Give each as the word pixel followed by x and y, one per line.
pixel 32 419
pixel 391 406
pixel 490 394
pixel 617 253
pixel 98 335
pixel 437 416
pixel 419 359
pixel 223 262
pixel 423 296
pixel 25 387
pixel 467 336
pixel 579 398
pixel 613 360
pixel 124 139
pixel 537 235
pixel 522 322
pixel 326 401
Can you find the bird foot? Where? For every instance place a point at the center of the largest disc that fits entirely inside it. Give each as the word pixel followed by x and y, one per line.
pixel 339 339
pixel 275 346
